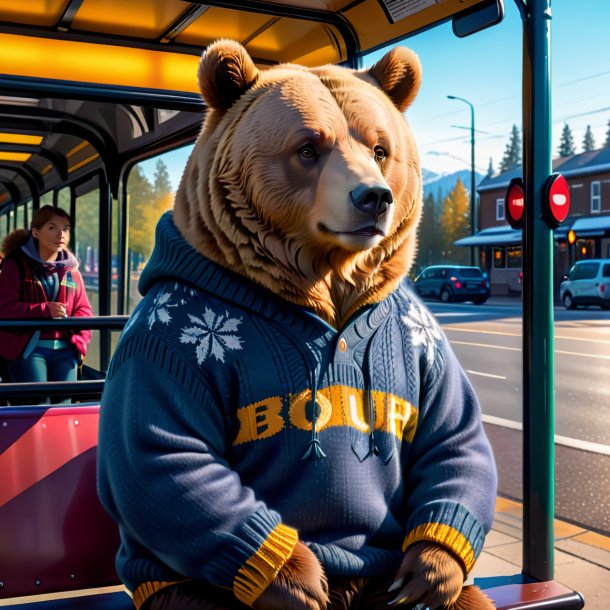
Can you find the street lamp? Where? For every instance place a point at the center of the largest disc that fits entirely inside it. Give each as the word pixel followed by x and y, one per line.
pixel 472 174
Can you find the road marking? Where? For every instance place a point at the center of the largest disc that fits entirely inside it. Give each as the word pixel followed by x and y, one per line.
pixel 559 440
pixel 485 374
pixel 582 355
pixel 513 349
pixel 483 332
pixel 496 332
pixel 518 349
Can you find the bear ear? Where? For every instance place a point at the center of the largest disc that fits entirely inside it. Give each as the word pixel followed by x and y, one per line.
pixel 226 71
pixel 398 73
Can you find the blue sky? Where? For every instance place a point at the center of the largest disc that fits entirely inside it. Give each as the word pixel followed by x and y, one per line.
pixel 486 70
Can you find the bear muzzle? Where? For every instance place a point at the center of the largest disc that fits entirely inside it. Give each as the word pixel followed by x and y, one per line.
pixel 372 200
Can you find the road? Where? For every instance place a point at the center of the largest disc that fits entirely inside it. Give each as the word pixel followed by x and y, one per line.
pixel 488 342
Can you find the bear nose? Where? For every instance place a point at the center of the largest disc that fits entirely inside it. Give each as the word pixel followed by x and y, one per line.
pixel 373 200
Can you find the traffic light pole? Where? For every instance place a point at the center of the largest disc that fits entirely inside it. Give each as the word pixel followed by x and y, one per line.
pixel 538 341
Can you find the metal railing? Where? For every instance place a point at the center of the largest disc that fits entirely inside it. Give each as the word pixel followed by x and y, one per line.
pixel 86 389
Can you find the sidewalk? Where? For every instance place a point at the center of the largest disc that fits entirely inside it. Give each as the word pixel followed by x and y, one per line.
pixel 582 558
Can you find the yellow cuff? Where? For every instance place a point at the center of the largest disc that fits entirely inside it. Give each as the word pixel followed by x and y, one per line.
pixel 446 536
pixel 261 569
pixel 146 589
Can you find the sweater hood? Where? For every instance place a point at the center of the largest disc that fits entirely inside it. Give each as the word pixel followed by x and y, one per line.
pixel 173 258
pixel 65 259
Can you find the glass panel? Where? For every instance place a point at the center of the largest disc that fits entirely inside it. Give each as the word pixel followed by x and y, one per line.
pixel 236 25
pixel 94 63
pixel 46 199
pixel 21 217
pixel 150 190
pixel 470 272
pixel 588 271
pixel 513 254
pixel 138 18
pixel 499 258
pixel 86 231
pixel 500 215
pixel 33 12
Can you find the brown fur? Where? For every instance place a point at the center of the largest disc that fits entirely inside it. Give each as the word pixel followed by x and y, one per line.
pixel 430 575
pixel 250 202
pixel 299 585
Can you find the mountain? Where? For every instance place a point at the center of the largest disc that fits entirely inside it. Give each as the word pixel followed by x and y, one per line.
pixel 444 183
pixel 428 175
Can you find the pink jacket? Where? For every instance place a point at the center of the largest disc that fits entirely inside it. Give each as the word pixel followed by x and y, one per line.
pixel 24 297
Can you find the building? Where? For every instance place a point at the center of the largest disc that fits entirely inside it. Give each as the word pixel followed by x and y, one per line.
pixel 499 246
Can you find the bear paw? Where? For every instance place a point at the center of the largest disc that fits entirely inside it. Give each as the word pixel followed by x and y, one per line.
pixel 428 575
pixel 300 585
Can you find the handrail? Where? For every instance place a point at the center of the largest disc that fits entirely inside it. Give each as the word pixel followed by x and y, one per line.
pixel 73 323
pixel 90 388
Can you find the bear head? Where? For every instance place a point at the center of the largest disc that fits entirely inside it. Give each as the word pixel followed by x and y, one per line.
pixel 305 180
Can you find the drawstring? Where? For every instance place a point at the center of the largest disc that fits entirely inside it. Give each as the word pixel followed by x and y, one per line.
pixel 313 449
pixel 373 449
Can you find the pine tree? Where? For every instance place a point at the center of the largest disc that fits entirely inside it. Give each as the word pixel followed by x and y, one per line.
pixel 566 145
pixel 512 152
pixel 454 223
pixel 588 142
pixel 607 142
pixel 490 169
pixel 427 234
pixel 162 183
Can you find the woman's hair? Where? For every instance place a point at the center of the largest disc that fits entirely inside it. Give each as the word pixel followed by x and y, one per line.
pixel 17 238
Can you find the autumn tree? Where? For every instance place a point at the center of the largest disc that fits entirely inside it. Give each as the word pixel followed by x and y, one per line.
pixel 512 152
pixel 566 144
pixel 588 142
pixel 455 224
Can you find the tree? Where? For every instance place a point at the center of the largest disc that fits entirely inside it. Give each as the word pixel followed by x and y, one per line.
pixel 428 251
pixel 146 204
pixel 162 184
pixel 588 142
pixel 607 142
pixel 454 223
pixel 512 152
pixel 566 144
pixel 490 169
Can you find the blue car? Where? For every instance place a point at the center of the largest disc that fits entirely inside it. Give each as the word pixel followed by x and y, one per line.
pixel 453 283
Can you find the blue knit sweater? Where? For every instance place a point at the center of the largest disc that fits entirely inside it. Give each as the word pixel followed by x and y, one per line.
pixel 212 459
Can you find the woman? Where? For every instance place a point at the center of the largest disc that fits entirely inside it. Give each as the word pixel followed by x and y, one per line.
pixel 40 279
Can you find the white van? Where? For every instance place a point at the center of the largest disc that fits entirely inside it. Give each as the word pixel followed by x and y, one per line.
pixel 588 283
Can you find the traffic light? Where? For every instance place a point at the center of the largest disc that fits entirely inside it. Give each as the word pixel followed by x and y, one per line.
pixel 571 237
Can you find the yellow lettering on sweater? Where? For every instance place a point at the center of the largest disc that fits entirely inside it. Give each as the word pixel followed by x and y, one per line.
pixel 260 420
pixel 336 406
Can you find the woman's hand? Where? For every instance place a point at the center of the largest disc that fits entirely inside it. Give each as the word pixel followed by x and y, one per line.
pixel 58 310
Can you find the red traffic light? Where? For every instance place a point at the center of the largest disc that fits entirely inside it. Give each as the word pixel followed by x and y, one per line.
pixel 515 203
pixel 557 200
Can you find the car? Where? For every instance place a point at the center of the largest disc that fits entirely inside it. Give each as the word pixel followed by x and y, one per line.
pixel 453 283
pixel 588 283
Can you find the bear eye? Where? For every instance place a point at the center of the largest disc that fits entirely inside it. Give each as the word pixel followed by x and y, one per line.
pixel 380 153
pixel 308 152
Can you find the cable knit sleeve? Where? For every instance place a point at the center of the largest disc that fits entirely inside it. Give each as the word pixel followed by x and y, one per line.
pixel 164 477
pixel 452 478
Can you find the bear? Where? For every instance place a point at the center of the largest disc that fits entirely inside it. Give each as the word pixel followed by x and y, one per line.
pixel 283 424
